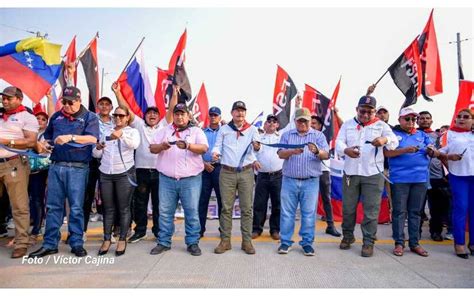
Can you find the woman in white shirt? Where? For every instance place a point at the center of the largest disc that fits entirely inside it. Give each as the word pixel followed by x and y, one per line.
pixel 117 177
pixel 459 152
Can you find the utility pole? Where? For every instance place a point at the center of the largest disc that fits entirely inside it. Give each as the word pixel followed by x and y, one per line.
pixel 458 45
pixel 102 82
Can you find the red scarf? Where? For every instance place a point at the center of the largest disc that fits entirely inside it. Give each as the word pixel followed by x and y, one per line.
pixel 428 130
pixel 460 130
pixel 245 126
pixel 360 124
pixel 177 130
pixel 67 115
pixel 18 109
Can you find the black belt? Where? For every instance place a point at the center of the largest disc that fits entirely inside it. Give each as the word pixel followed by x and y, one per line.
pixel 303 179
pixel 270 173
pixel 72 164
pixel 6 159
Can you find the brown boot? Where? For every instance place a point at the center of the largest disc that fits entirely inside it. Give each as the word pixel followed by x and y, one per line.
pixel 18 253
pixel 223 246
pixel 248 248
pixel 346 243
pixel 367 251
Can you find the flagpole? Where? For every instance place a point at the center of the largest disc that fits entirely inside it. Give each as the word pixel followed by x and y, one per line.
pixel 130 60
pixel 385 73
pixel 85 49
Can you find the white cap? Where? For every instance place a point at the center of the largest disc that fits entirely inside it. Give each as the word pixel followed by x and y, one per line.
pixel 407 111
pixel 381 108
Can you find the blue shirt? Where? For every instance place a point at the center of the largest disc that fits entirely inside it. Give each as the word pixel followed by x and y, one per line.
pixel 306 164
pixel 84 123
pixel 211 136
pixel 410 167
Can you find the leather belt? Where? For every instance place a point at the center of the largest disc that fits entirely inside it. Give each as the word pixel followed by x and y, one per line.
pixel 303 179
pixel 72 164
pixel 236 170
pixel 9 158
pixel 270 173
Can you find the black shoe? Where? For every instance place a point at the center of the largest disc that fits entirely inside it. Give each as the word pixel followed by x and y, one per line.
pixel 159 249
pixel 136 237
pixel 102 251
pixel 437 237
pixel 42 252
pixel 333 231
pixel 121 252
pixel 194 250
pixel 79 251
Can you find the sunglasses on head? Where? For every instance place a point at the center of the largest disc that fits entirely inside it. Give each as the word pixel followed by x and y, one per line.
pixel 465 116
pixel 409 119
pixel 366 111
pixel 67 102
pixel 119 115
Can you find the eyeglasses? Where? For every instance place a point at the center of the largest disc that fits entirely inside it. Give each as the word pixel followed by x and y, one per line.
pixel 365 111
pixel 407 119
pixel 67 102
pixel 214 115
pixel 119 115
pixel 463 116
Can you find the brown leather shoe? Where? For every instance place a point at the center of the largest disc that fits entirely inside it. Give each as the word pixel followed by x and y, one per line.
pixel 255 235
pixel 18 253
pixel 398 250
pixel 275 236
pixel 420 251
pixel 367 251
pixel 248 248
pixel 223 246
pixel 346 243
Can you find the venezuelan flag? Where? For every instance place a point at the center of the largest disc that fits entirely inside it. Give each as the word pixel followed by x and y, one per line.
pixel 32 64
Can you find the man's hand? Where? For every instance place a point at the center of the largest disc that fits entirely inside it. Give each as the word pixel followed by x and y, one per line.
pixel 208 167
pixel 370 89
pixel 298 101
pixel 410 149
pixel 61 140
pixel 43 147
pixel 215 156
pixel 313 148
pixel 432 151
pixel 256 145
pixel 352 152
pixel 116 87
pixel 379 141
pixel 100 146
pixel 256 165
pixel 116 134
pixel 181 144
pixel 157 148
pixel 297 151
pixel 454 157
pixel 70 68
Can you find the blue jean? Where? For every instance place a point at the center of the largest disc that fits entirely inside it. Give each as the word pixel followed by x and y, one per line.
pixel 65 182
pixel 462 189
pixel 209 181
pixel 188 191
pixel 407 199
pixel 37 192
pixel 304 192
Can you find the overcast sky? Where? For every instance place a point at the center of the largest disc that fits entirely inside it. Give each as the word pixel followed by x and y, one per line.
pixel 235 51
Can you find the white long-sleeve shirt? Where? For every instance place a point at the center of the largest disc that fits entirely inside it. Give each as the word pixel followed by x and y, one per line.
pixel 111 162
pixel 457 143
pixel 352 134
pixel 267 156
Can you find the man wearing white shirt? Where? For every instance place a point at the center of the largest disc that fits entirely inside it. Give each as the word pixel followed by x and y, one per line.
pixel 361 140
pixel 268 181
pixel 234 147
pixel 147 175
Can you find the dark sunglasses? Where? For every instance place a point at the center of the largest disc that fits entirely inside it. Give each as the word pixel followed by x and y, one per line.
pixel 119 115
pixel 67 102
pixel 365 111
pixel 302 121
pixel 463 116
pixel 214 115
pixel 409 119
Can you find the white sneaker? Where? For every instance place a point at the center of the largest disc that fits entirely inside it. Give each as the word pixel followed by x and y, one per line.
pixel 11 224
pixel 84 237
pixel 448 236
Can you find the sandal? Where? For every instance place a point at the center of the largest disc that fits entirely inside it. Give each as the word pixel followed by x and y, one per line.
pixel 398 251
pixel 420 251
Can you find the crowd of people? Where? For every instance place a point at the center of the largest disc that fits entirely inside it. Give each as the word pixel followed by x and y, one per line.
pixel 63 155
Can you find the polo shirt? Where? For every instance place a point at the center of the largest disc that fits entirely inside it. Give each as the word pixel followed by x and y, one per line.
pixel 14 126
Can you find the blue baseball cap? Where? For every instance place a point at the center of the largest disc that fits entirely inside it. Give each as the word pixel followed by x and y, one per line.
pixel 215 110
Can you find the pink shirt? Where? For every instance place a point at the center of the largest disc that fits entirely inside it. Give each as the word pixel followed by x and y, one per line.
pixel 180 163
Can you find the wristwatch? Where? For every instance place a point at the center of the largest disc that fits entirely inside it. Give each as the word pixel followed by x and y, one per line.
pixel 73 138
pixel 12 143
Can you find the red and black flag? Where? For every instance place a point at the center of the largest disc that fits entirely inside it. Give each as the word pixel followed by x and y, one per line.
pixel 331 124
pixel 68 59
pixel 406 73
pixel 89 62
pixel 178 72
pixel 199 107
pixel 285 91
pixel 432 83
pixel 161 99
pixel 316 102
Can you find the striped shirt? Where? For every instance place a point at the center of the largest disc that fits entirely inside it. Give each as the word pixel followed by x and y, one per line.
pixel 306 164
